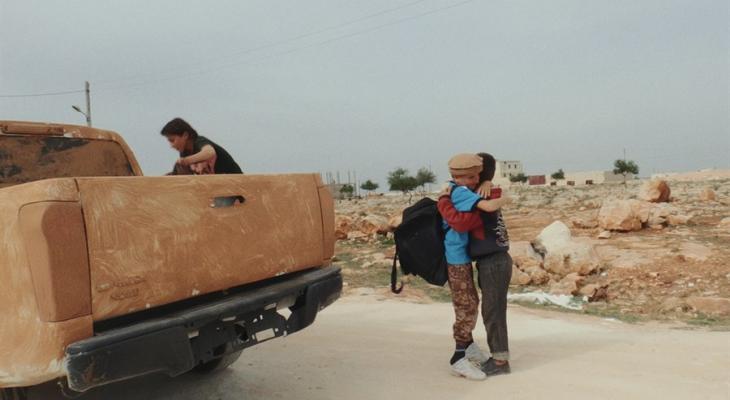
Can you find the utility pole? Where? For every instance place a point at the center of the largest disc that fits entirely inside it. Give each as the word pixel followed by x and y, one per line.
pixel 88 104
pixel 86 114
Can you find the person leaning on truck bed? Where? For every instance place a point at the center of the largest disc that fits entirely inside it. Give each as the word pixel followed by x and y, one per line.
pixel 198 155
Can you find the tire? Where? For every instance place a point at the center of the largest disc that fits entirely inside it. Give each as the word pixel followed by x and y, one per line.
pixel 14 394
pixel 217 364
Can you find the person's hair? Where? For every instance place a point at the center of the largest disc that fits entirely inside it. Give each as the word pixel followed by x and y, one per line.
pixel 178 127
pixel 489 164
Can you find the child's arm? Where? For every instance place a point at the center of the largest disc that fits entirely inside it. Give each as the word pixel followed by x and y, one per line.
pixel 458 221
pixel 494 204
pixel 206 153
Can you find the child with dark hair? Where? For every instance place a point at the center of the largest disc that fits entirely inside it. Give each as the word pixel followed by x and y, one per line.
pixel 198 155
pixel 489 245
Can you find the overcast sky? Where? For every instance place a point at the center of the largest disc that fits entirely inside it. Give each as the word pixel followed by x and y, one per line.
pixel 367 86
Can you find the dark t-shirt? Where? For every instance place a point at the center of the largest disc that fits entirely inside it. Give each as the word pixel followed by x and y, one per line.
pixel 224 163
pixel 496 237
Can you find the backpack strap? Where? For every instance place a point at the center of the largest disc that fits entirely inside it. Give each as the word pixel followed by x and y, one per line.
pixel 394 275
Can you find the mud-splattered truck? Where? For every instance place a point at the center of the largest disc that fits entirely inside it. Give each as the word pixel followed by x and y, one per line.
pixel 106 274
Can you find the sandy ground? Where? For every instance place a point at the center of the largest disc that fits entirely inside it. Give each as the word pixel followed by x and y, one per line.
pixel 364 347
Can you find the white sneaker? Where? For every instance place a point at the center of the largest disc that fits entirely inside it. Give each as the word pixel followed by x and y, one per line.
pixel 475 354
pixel 465 368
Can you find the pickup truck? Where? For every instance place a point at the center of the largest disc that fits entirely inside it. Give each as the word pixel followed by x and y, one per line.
pixel 108 274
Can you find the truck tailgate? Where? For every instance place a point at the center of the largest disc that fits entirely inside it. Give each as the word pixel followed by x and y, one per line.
pixel 156 240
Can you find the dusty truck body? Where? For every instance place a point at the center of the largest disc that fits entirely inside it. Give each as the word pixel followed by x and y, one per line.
pixel 107 274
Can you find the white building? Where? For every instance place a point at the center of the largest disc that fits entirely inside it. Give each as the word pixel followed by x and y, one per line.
pixel 588 178
pixel 505 169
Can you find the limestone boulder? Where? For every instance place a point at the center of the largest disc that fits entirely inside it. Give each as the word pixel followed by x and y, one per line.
pixel 562 255
pixel 715 306
pixel 523 255
pixel 519 277
pixel 583 223
pixel 568 285
pixel 372 223
pixel 538 276
pixel 395 221
pixel 655 191
pixel 707 194
pixel 678 219
pixel 622 215
pixel 343 226
pixel 553 237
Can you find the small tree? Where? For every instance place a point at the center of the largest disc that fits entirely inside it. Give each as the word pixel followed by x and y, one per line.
pixel 623 167
pixel 521 178
pixel 424 176
pixel 369 185
pixel 559 174
pixel 398 179
pixel 347 190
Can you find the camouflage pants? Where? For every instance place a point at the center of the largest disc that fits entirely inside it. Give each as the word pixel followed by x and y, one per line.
pixel 466 301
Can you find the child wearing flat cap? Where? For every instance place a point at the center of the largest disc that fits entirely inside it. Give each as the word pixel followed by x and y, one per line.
pixel 465 169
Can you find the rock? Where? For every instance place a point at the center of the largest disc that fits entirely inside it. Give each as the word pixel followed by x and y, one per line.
pixel 678 219
pixel 588 290
pixel 538 276
pixel 523 255
pixel 672 304
pixel 724 223
pixel 655 191
pixel 620 215
pixel 553 237
pixel 373 224
pixel 604 235
pixel 582 223
pixel 707 194
pixel 695 252
pixel 563 255
pixel 715 306
pixel 519 277
pixel 356 235
pixel 343 225
pixel 395 221
pixel 567 286
pixel 643 209
pixel 601 294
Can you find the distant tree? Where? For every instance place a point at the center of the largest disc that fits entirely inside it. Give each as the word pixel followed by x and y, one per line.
pixel 521 178
pixel 347 190
pixel 369 185
pixel 398 179
pixel 623 167
pixel 424 176
pixel 559 174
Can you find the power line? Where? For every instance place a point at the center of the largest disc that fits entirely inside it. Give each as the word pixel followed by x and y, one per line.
pixel 284 41
pixel 67 92
pixel 297 49
pixel 273 44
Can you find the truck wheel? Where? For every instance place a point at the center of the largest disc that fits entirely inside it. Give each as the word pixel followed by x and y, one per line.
pixel 217 364
pixel 14 394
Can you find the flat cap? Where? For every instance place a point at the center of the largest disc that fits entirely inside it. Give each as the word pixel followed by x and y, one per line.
pixel 465 164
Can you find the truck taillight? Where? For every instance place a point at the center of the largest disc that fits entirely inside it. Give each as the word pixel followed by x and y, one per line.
pixel 55 243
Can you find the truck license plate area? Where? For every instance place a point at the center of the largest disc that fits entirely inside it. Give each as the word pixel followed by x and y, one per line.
pixel 232 334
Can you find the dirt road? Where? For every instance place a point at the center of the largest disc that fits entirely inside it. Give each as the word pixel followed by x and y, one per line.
pixel 365 348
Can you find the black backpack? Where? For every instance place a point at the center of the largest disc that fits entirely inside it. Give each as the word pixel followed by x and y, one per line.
pixel 419 245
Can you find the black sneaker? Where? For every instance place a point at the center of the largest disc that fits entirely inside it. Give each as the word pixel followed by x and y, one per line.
pixel 490 368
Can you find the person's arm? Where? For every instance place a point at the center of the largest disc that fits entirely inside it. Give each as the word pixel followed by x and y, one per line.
pixel 484 189
pixel 494 204
pixel 459 221
pixel 206 153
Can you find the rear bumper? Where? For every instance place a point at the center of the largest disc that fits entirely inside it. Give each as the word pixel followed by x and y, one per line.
pixel 176 343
